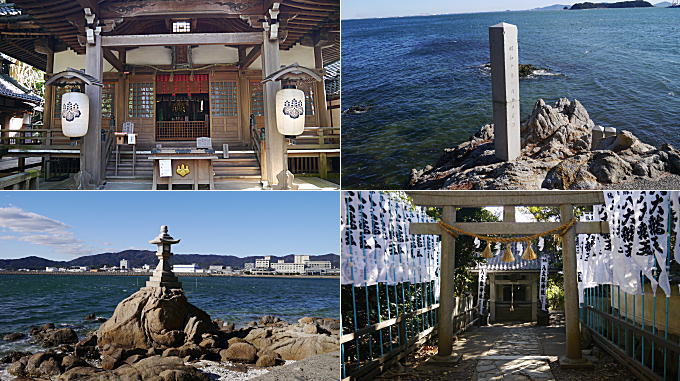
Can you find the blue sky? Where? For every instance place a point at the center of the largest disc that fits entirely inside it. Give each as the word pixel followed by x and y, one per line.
pixel 353 9
pixel 65 225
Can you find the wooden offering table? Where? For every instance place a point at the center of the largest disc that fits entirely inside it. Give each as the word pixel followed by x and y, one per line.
pixel 183 166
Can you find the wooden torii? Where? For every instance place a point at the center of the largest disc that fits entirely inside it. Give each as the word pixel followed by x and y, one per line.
pixel 565 200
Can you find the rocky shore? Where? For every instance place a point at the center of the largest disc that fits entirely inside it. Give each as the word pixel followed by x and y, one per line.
pixel 562 148
pixel 156 334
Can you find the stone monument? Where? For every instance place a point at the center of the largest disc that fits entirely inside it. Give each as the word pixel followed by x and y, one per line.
pixel 505 90
pixel 163 275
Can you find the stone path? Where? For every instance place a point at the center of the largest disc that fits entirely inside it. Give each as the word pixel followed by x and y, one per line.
pixel 515 356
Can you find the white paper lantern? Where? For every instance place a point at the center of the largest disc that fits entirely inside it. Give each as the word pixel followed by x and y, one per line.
pixel 75 114
pixel 290 111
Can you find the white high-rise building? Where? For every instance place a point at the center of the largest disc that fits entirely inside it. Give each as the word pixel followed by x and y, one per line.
pixel 124 265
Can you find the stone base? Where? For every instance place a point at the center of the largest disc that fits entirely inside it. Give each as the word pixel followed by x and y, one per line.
pixel 438 360
pixel 150 283
pixel 163 279
pixel 567 363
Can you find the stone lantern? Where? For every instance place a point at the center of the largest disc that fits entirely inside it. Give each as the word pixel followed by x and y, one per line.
pixel 163 275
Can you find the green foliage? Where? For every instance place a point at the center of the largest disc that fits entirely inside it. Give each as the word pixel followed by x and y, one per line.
pixel 555 292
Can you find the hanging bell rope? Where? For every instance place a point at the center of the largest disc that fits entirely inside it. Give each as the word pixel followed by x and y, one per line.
pixel 528 255
pixel 507 256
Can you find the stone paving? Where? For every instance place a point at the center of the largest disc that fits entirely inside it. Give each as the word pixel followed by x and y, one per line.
pixel 515 356
pixel 506 352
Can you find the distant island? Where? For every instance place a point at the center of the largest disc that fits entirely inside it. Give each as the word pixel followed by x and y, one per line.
pixel 663 4
pixel 622 4
pixel 138 258
pixel 554 7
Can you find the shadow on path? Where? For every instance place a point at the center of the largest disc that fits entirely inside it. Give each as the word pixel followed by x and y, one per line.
pixel 508 351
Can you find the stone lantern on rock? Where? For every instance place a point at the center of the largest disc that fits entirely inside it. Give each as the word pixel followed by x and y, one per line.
pixel 163 275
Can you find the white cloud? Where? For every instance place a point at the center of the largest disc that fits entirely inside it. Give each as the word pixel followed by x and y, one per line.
pixel 40 230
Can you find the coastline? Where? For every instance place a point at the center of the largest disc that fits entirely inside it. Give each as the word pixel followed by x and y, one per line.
pixel 146 274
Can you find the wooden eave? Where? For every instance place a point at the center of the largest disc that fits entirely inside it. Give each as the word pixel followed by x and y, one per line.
pixel 64 20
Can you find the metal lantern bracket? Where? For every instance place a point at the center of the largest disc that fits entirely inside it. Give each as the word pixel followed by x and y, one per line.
pixel 294 73
pixel 72 76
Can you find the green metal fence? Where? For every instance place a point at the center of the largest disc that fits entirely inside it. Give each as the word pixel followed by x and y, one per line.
pixel 384 323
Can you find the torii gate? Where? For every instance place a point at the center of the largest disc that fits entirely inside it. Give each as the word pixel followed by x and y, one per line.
pixel 566 200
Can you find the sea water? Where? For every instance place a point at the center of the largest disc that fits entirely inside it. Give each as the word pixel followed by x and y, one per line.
pixel 65 300
pixel 424 80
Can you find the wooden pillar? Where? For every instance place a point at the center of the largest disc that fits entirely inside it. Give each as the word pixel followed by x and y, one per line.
pixel 91 149
pixel 492 297
pixel 573 357
pixel 244 101
pixel 446 298
pixel 320 90
pixel 49 91
pixel 534 298
pixel 276 148
pixel 509 213
pixel 505 90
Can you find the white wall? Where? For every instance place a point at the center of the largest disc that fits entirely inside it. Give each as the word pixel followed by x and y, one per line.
pixel 70 59
pixel 302 55
pixel 214 54
pixel 150 55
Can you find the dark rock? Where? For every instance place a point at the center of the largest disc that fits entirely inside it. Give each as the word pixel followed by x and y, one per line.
pixel 44 364
pixel 91 316
pixel 87 348
pixel 229 327
pixel 133 359
pixel 13 356
pixel 152 368
pixel 267 360
pixel 113 359
pixel 268 319
pixel 235 340
pixel 555 154
pixel 52 337
pixel 72 361
pixel 13 336
pixel 171 352
pixel 155 317
pixel 18 368
pixel 101 320
pixel 240 352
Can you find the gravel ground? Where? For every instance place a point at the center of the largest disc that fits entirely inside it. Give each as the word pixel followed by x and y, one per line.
pixel 669 182
pixel 324 367
pixel 606 369
pixel 226 371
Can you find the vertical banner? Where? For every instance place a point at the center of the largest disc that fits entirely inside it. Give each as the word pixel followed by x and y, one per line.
pixel 376 245
pixel 543 283
pixel 481 289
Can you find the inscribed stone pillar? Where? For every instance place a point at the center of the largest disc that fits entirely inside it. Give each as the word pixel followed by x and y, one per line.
pixel 276 149
pixel 446 298
pixel 91 149
pixel 505 90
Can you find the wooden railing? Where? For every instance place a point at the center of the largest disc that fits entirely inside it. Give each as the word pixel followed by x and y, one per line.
pixel 28 137
pixel 181 130
pixel 318 138
pixel 258 144
pixel 23 180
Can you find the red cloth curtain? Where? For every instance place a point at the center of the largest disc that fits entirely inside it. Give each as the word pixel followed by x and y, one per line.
pixel 182 84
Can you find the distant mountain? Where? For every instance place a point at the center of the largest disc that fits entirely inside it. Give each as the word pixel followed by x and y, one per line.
pixel 622 4
pixel 556 7
pixel 138 258
pixel 664 4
